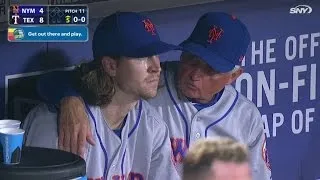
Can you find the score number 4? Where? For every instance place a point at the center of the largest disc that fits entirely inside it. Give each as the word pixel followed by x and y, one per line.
pixel 41 11
pixel 41 18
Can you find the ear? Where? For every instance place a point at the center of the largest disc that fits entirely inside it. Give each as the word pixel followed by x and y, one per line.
pixel 109 65
pixel 234 75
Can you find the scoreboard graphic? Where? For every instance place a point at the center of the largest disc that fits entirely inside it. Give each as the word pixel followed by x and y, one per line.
pixel 50 23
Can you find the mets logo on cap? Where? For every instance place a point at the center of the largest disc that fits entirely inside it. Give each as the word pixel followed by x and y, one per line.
pixel 214 34
pixel 149 26
pixel 265 155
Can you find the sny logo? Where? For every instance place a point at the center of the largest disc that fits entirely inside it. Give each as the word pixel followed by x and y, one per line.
pixel 301 9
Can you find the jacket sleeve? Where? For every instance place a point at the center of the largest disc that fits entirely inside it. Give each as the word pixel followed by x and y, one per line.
pixel 41 128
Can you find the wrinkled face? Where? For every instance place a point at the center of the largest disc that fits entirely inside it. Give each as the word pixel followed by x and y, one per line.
pixel 138 76
pixel 197 80
pixel 230 171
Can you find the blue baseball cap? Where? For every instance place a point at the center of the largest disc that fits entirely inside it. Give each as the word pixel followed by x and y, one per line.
pixel 128 34
pixel 219 39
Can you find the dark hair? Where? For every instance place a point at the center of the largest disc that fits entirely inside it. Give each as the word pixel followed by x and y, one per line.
pixel 97 87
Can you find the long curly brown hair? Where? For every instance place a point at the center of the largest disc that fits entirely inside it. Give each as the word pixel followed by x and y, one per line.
pixel 97 87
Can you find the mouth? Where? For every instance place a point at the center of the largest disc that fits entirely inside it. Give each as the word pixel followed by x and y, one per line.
pixel 153 80
pixel 191 86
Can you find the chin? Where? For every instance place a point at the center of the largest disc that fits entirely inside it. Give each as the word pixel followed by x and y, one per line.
pixel 190 93
pixel 148 95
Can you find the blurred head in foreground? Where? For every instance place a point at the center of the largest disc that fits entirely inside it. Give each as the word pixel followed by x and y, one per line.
pixel 217 159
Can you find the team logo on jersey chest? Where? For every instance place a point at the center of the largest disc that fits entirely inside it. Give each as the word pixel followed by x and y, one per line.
pixel 265 155
pixel 131 176
pixel 179 149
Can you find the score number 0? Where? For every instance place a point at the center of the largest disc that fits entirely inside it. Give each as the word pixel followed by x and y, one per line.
pixel 76 19
pixel 82 19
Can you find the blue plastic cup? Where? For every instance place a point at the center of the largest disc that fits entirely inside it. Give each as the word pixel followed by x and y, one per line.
pixel 9 123
pixel 11 140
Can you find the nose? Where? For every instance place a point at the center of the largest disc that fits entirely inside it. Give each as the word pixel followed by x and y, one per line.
pixel 195 74
pixel 154 64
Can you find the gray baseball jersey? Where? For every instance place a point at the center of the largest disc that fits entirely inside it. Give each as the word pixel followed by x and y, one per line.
pixel 142 152
pixel 232 116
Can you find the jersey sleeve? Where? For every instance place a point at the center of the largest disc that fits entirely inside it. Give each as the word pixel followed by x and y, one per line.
pixel 261 167
pixel 54 86
pixel 41 128
pixel 162 165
